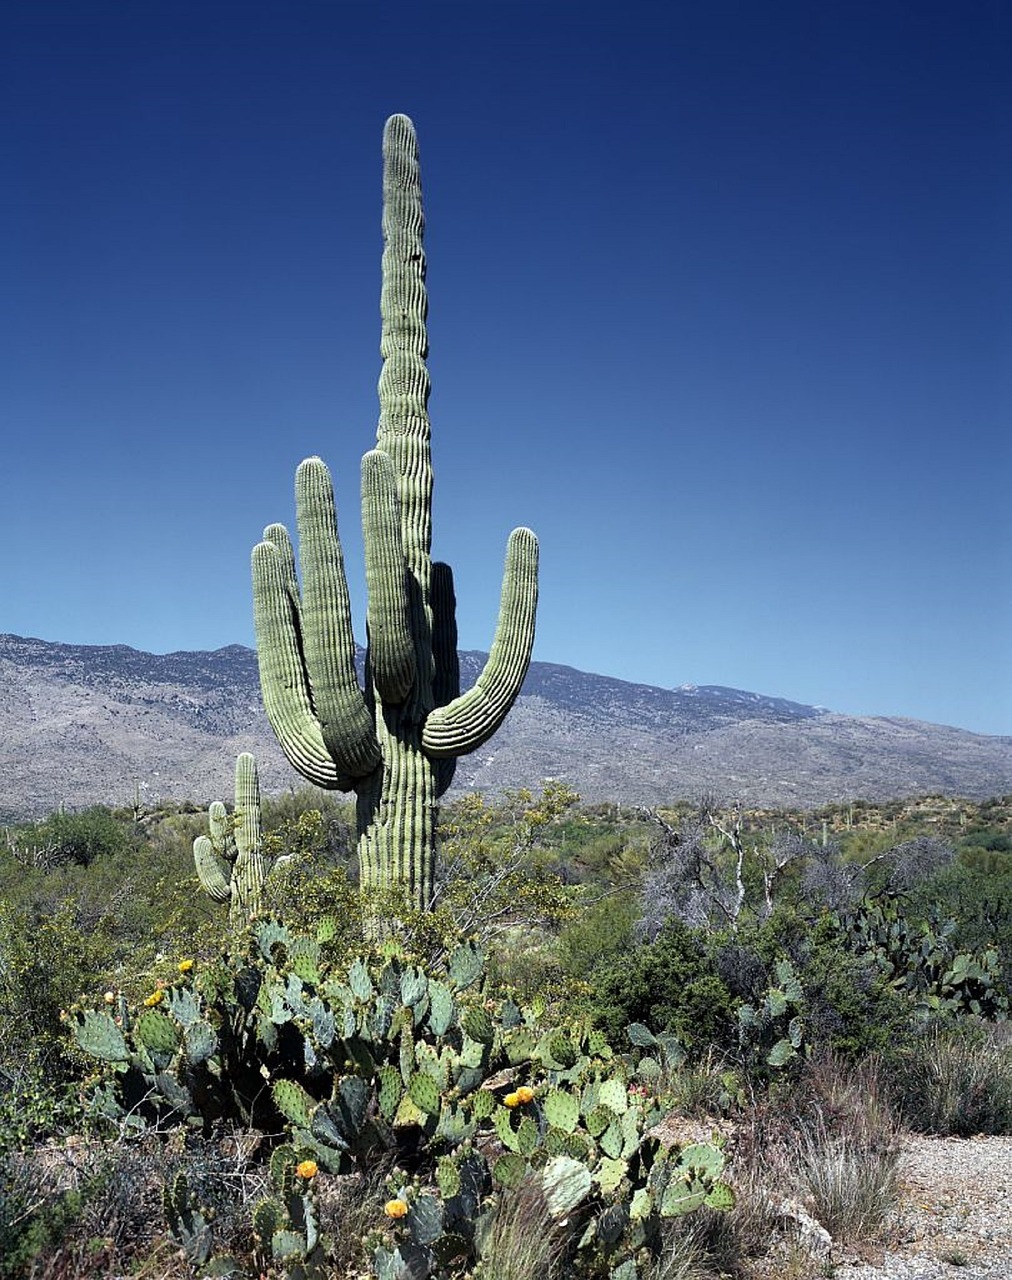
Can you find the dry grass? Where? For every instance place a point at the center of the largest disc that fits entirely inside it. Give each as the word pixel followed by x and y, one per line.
pixel 847 1151
pixel 853 1186
pixel 959 1084
pixel 523 1241
pixel 681 1258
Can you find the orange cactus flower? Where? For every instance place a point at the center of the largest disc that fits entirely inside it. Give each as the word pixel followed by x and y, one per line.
pixel 307 1169
pixel 525 1094
pixel 395 1208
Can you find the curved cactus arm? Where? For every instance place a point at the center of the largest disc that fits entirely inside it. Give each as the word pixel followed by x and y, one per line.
pixel 391 648
pixel 327 638
pixel 468 721
pixel 212 870
pixel 283 679
pixel 219 824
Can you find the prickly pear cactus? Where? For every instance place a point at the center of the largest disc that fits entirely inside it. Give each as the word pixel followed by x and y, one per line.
pixel 771 1034
pixel 395 742
pixel 189 1223
pixel 465 1095
pixel 917 958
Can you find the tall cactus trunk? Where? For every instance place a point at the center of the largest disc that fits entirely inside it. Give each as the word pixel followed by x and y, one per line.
pixel 394 743
pixel 397 804
pixel 397 812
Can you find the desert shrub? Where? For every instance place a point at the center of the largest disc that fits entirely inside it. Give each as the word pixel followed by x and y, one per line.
pixel 977 893
pixel 32 1222
pixel 305 892
pixel 45 964
pixel 525 962
pixel 313 822
pixel 852 1011
pixel 36 1102
pixel 958 1080
pixel 86 1207
pixel 669 985
pixel 705 1087
pixel 600 932
pixel 80 838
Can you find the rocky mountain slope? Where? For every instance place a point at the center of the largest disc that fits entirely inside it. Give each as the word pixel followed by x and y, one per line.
pixel 105 724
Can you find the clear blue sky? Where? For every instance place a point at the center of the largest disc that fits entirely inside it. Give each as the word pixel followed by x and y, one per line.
pixel 720 305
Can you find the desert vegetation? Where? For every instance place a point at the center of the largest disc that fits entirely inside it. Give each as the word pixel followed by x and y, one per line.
pixel 779 1028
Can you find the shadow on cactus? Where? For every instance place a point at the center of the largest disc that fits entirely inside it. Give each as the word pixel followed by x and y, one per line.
pixel 465 1096
pixel 394 743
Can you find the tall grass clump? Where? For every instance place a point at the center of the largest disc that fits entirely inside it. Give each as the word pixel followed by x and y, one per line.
pixel 523 1241
pixel 959 1082
pixel 682 1258
pixel 848 1151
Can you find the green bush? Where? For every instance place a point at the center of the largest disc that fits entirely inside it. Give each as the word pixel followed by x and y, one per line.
pixel 669 985
pixel 80 838
pixel 45 964
pixel 31 1222
pixel 852 1011
pixel 601 932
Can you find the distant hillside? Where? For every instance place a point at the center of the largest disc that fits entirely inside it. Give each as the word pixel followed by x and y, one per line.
pixel 94 724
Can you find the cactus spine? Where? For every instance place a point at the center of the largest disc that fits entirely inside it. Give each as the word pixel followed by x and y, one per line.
pixel 231 863
pixel 395 743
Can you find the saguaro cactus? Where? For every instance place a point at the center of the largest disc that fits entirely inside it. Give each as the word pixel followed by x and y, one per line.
pixel 395 742
pixel 231 863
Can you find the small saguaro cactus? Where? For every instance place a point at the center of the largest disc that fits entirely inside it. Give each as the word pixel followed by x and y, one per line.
pixel 231 863
pixel 395 742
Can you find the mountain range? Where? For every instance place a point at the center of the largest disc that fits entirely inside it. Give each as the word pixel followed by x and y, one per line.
pixel 87 724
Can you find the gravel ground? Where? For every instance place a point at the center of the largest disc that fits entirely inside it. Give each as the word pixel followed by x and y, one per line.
pixel 955 1216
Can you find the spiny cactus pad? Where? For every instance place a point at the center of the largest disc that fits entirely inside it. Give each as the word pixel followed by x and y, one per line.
pixel 156 1032
pixel 565 1182
pixel 293 1102
pixel 562 1110
pixel 509 1170
pixel 424 1093
pixel 98 1035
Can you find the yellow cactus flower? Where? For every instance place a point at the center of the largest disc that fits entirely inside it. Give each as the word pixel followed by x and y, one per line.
pixel 185 966
pixel 307 1169
pixel 154 998
pixel 395 1208
pixel 512 1099
pixel 525 1094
